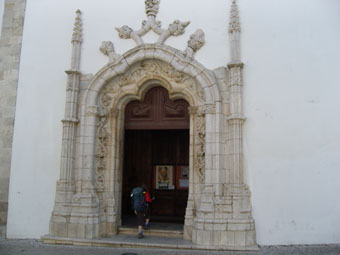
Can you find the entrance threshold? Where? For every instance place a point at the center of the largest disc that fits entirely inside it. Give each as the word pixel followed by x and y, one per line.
pixel 148 242
pixel 157 227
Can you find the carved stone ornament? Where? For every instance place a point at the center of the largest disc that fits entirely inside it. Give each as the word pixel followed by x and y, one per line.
pixel 151 8
pixel 200 146
pixel 108 50
pixel 207 109
pixel 178 27
pixel 101 152
pixel 143 70
pixel 92 110
pixel 234 24
pixel 124 32
pixel 77 35
pixel 195 42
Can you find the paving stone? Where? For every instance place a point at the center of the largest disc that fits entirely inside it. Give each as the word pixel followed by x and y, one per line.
pixel 36 247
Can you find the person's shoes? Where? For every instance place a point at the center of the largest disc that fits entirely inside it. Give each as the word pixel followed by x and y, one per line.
pixel 140 236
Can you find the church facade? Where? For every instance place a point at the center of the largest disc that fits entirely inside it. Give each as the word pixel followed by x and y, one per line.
pixel 156 109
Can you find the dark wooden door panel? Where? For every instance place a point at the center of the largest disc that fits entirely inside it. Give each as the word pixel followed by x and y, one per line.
pixel 157 112
pixel 143 150
pixel 156 133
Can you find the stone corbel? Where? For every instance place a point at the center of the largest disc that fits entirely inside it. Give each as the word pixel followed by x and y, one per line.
pixel 108 50
pixel 195 42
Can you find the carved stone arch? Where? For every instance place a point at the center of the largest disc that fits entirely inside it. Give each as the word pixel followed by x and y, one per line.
pixel 163 53
pixel 102 124
pixel 145 85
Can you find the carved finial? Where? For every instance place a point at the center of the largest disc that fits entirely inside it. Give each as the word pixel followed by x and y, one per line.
pixel 151 7
pixel 177 27
pixel 108 50
pixel 124 32
pixel 77 35
pixel 234 24
pixel 195 42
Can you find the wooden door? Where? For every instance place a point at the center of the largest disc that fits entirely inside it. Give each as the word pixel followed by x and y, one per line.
pixel 157 133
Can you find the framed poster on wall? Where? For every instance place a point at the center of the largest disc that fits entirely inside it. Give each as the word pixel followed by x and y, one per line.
pixel 182 175
pixel 163 177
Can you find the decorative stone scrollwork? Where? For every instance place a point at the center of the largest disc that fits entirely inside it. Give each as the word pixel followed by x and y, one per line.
pixel 149 69
pixel 200 147
pixel 195 42
pixel 101 152
pixel 108 50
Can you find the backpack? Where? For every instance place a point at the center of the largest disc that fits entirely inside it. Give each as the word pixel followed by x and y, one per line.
pixel 138 199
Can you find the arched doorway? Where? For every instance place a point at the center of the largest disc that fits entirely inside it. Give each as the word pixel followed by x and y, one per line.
pixel 157 141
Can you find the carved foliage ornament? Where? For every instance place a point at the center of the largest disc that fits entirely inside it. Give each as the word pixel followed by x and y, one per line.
pixel 151 8
pixel 195 42
pixel 200 145
pixel 108 50
pixel 124 32
pixel 148 69
pixel 101 151
pixel 177 27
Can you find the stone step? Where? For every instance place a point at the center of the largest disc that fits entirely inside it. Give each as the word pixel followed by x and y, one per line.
pixel 149 242
pixel 151 232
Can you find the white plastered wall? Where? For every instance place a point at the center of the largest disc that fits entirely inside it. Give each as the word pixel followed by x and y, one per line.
pixel 292 143
pixel 2 7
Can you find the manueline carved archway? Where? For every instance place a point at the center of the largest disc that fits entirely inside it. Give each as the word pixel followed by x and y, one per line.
pixel 88 194
pixel 114 95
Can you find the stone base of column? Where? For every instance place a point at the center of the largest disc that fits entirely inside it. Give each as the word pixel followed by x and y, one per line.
pixel 110 226
pixel 224 222
pixel 85 217
pixel 189 220
pixel 62 208
pixel 242 240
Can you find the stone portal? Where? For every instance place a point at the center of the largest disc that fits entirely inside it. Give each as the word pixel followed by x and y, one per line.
pixel 89 197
